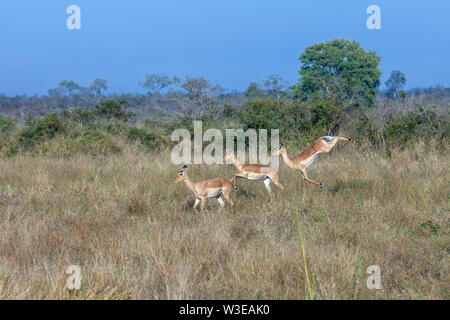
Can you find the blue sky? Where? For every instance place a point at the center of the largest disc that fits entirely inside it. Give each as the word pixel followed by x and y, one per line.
pixel 230 42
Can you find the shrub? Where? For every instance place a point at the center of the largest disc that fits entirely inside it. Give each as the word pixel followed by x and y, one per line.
pixel 262 114
pixel 413 125
pixel 402 129
pixel 79 116
pixel 7 126
pixel 39 130
pixel 366 128
pixel 148 139
pixel 97 142
pixel 111 109
pixel 90 142
pixel 294 119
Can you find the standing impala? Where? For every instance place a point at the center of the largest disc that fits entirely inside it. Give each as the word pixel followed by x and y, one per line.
pixel 254 172
pixel 306 158
pixel 211 188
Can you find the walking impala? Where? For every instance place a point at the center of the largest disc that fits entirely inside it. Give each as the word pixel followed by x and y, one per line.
pixel 254 172
pixel 306 158
pixel 211 188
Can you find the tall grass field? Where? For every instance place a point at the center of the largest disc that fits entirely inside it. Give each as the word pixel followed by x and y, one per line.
pixel 134 234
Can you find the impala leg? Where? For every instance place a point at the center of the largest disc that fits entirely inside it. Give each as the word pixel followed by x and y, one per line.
pixel 202 204
pixel 332 144
pixel 274 179
pixel 234 180
pixel 227 196
pixel 197 201
pixel 267 184
pixel 335 140
pixel 346 139
pixel 305 177
pixel 222 203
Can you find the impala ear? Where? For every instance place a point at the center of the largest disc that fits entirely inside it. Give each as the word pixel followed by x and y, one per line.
pixel 185 168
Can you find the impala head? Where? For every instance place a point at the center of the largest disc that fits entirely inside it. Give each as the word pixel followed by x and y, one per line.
pixel 229 155
pixel 279 150
pixel 181 175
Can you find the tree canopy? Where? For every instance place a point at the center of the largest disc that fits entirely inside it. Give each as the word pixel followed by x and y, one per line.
pixel 157 82
pixel 98 86
pixel 69 85
pixel 395 83
pixel 340 70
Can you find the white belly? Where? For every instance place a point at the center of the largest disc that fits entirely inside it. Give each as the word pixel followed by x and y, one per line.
pixel 256 179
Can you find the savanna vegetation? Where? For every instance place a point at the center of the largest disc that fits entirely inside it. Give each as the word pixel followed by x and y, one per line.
pixel 86 179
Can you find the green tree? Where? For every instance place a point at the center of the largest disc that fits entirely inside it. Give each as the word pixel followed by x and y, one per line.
pixel 39 130
pixel 69 85
pixel 157 82
pixel 98 86
pixel 275 85
pixel 254 91
pixel 200 95
pixel 340 71
pixel 7 126
pixel 262 113
pixel 395 83
pixel 111 109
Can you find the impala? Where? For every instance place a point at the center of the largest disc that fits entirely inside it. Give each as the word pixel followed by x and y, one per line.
pixel 306 158
pixel 254 172
pixel 211 188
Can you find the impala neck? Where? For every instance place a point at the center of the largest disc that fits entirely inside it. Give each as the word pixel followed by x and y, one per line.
pixel 189 183
pixel 286 159
pixel 236 162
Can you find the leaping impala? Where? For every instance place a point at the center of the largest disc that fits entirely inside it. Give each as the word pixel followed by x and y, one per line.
pixel 254 172
pixel 306 158
pixel 211 188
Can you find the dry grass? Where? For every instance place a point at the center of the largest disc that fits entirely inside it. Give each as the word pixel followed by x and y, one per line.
pixel 134 235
